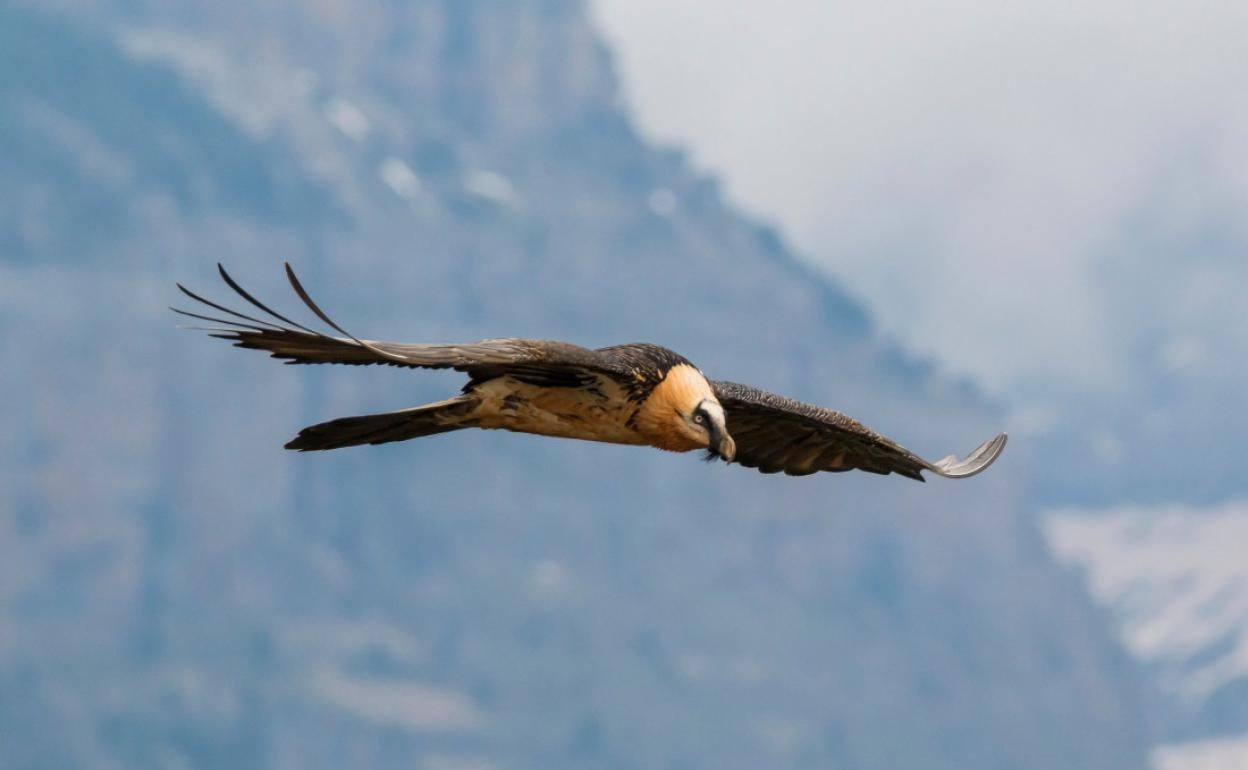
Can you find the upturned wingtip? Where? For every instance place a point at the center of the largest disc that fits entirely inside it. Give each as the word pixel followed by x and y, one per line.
pixel 977 461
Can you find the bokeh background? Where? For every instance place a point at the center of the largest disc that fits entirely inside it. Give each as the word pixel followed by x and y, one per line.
pixel 943 219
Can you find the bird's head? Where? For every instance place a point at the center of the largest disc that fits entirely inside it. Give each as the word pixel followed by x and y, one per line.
pixel 708 422
pixel 682 413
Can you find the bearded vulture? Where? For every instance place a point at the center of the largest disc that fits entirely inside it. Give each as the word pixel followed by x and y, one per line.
pixel 638 394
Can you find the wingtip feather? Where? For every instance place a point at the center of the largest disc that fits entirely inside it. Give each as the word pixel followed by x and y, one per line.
pixel 977 461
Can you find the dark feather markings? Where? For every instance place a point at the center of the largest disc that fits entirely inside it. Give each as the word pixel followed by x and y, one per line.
pixel 427 420
pixel 550 363
pixel 775 434
pixel 245 295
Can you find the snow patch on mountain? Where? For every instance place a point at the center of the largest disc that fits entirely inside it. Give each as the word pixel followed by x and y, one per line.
pixel 1177 580
pixel 1220 754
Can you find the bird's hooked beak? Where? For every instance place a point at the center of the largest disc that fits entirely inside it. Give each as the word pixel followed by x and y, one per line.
pixel 721 444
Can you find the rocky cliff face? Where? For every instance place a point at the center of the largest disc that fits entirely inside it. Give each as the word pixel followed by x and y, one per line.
pixel 175 589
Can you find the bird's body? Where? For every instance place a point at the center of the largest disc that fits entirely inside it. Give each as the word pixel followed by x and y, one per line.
pixel 599 409
pixel 639 394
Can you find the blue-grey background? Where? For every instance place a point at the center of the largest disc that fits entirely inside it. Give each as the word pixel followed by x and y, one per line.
pixel 178 592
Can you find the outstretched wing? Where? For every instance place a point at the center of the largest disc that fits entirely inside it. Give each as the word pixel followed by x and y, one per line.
pixel 776 434
pixel 541 361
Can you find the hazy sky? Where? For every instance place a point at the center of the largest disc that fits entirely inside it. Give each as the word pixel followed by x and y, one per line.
pixel 1047 194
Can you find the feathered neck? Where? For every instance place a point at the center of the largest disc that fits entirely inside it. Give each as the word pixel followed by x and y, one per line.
pixel 661 418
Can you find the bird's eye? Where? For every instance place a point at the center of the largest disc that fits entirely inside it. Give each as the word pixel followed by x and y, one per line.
pixel 698 418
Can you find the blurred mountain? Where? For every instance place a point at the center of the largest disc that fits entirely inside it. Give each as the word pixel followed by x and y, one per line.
pixel 1174 577
pixel 1054 208
pixel 177 591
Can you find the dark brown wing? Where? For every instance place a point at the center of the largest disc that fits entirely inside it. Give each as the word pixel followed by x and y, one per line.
pixel 541 361
pixel 776 434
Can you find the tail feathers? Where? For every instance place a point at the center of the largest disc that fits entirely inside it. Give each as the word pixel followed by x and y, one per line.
pixel 427 420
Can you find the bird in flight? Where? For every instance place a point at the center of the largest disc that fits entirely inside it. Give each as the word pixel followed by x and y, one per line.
pixel 637 394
